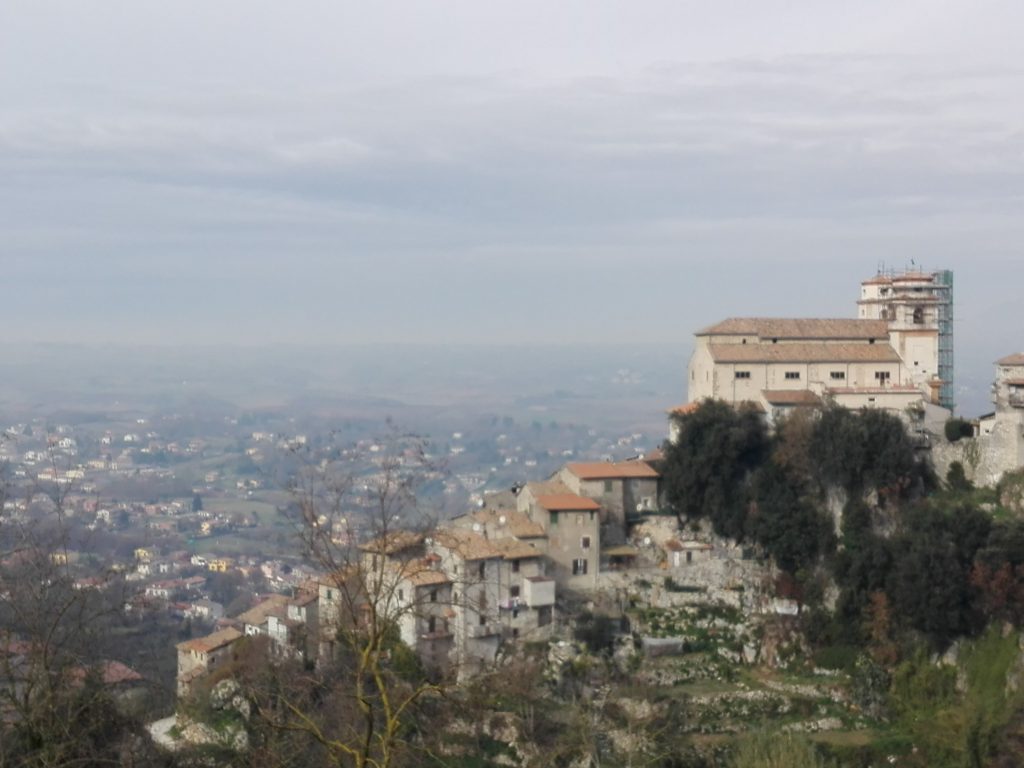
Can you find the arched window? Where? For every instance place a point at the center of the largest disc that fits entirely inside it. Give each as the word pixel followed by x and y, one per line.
pixel 918 315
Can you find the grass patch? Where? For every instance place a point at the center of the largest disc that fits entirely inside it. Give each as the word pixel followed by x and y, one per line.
pixel 266 514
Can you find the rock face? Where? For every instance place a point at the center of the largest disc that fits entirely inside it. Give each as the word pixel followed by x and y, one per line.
pixel 233 711
pixel 984 458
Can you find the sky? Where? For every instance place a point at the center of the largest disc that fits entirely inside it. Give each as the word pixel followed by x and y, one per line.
pixel 457 171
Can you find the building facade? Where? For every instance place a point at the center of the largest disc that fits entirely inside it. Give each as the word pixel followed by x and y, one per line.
pixel 897 354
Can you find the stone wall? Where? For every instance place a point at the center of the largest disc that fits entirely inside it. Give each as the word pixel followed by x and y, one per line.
pixel 985 458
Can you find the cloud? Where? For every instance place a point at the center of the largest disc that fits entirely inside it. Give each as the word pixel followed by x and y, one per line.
pixel 281 186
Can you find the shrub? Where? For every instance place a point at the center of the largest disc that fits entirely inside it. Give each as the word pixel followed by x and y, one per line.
pixel 956 478
pixel 957 428
pixel 776 750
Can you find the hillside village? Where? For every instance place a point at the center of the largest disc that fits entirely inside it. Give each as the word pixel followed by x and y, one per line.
pixel 602 536
pixel 593 548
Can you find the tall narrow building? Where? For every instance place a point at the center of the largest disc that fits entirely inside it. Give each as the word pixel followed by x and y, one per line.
pixel 918 308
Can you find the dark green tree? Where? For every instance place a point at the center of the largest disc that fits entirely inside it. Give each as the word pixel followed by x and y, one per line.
pixel 957 480
pixel 709 467
pixel 788 526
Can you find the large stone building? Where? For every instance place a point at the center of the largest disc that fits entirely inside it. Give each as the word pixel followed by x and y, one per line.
pixel 897 355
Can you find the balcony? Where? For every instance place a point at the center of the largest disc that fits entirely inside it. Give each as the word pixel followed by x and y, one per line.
pixel 538 591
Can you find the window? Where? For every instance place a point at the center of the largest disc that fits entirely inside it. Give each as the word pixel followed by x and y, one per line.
pixel 433 595
pixel 607 486
pixel 579 567
pixel 330 595
pixel 689 557
pixel 554 519
pixel 591 515
pixel 792 374
pixel 544 616
pixel 483 569
pixel 515 613
pixel 837 375
pixel 401 596
pixel 513 591
pixel 882 376
pixel 585 542
pixel 431 624
pixel 918 315
pixel 483 619
pixel 515 566
pixel 515 632
pixel 742 374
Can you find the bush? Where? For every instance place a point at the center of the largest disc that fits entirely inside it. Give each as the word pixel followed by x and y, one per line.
pixel 956 478
pixel 776 750
pixel 957 428
pixel 839 657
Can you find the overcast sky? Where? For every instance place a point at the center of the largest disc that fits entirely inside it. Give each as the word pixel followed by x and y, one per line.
pixel 483 171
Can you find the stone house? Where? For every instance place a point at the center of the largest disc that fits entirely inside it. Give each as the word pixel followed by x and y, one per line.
pixel 202 655
pixel 621 488
pixel 573 527
pixel 474 567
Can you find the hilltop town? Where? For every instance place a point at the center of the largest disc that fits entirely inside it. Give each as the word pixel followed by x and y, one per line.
pixel 303 552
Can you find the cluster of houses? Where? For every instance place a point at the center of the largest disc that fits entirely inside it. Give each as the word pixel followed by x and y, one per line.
pixel 459 591
pixel 498 574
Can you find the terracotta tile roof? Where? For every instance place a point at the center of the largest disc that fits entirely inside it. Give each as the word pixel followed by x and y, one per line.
pixel 257 616
pixel 1017 359
pixel 1015 382
pixel 305 597
pixel 111 673
pixel 675 545
pixel 685 408
pixel 790 397
pixel 607 470
pixel 393 542
pixel 516 523
pixel 803 353
pixel 511 549
pixel 623 550
pixel 798 328
pixel 420 573
pixel 467 544
pixel 211 642
pixel 560 502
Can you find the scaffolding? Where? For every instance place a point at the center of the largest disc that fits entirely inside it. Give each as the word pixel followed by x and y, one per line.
pixel 944 293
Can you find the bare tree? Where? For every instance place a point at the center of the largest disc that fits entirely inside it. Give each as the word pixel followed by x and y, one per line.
pixel 363 527
pixel 55 706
